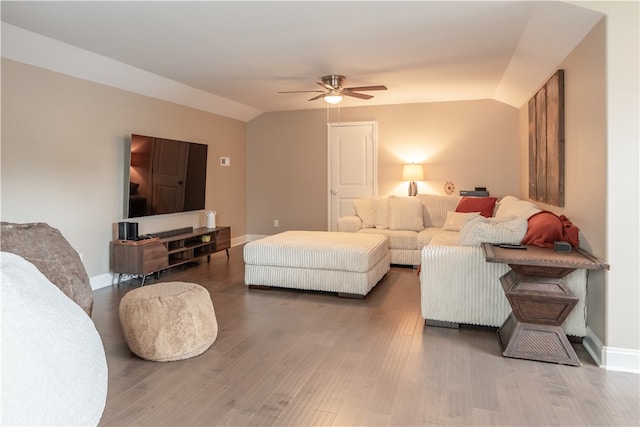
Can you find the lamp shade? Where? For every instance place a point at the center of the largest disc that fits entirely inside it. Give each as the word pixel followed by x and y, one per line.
pixel 413 172
pixel 333 98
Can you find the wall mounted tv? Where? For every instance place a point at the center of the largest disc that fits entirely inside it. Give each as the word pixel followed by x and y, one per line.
pixel 165 176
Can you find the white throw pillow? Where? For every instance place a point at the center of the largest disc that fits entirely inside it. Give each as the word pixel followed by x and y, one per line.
pixel 381 212
pixel 493 230
pixel 512 206
pixel 365 210
pixel 405 213
pixel 455 220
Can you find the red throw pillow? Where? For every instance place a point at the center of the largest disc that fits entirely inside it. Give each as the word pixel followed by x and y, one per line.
pixel 484 205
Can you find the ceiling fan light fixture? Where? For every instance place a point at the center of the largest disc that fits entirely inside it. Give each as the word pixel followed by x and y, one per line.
pixel 333 98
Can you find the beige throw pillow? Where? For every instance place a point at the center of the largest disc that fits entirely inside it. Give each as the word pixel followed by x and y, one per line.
pixel 455 220
pixel 512 206
pixel 365 210
pixel 381 212
pixel 405 213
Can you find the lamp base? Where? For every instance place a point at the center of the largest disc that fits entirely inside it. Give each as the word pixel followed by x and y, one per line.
pixel 413 188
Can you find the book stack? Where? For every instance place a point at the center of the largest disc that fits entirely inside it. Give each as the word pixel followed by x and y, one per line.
pixel 477 192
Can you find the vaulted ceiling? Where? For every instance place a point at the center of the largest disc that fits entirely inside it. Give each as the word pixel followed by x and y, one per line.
pixel 247 52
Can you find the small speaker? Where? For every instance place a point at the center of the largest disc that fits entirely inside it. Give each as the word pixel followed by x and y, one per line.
pixel 123 230
pixel 561 246
pixel 132 231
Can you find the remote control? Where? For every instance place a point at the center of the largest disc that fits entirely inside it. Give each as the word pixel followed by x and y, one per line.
pixel 508 246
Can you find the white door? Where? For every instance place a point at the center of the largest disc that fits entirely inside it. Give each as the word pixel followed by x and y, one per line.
pixel 352 166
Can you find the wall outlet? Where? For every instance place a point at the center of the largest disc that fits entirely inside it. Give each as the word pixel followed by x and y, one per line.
pixel 276 223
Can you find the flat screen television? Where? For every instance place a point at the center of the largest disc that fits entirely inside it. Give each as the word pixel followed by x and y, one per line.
pixel 165 176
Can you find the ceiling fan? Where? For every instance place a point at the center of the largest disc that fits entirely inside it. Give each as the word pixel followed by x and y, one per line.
pixel 334 91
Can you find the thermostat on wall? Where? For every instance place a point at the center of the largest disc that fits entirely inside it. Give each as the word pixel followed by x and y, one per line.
pixel 225 161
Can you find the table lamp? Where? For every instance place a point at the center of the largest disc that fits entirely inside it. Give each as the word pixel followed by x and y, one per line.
pixel 413 173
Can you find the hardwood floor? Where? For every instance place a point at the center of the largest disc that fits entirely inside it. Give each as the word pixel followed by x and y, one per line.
pixel 293 358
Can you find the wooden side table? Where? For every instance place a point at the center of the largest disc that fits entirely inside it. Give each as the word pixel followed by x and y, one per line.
pixel 540 300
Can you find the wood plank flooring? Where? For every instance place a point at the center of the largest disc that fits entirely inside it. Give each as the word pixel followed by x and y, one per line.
pixel 290 358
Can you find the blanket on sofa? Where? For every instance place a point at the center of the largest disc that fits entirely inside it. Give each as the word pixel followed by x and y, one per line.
pixel 545 227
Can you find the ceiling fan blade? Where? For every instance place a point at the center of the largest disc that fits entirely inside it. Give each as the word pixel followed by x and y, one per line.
pixel 366 88
pixel 357 95
pixel 317 97
pixel 327 86
pixel 302 91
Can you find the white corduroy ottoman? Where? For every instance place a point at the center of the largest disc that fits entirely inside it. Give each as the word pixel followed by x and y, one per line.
pixel 168 321
pixel 350 264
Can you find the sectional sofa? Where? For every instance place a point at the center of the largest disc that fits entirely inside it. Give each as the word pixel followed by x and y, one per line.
pixel 443 234
pixel 409 222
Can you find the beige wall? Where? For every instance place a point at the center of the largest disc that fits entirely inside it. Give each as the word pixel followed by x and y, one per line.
pixel 585 159
pixel 287 172
pixel 470 143
pixel 622 100
pixel 63 155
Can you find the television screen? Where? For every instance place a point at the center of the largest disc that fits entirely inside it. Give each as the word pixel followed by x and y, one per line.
pixel 165 176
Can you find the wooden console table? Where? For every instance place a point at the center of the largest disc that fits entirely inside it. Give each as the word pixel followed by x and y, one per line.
pixel 540 300
pixel 146 257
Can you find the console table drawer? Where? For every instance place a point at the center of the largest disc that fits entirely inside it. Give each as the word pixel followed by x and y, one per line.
pixel 139 259
pixel 223 239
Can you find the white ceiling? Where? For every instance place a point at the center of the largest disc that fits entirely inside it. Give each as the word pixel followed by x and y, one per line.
pixel 423 51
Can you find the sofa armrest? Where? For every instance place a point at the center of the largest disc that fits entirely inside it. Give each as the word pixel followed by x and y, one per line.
pixel 350 224
pixel 458 285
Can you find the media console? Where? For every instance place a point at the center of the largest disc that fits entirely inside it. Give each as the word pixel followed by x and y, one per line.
pixel 148 256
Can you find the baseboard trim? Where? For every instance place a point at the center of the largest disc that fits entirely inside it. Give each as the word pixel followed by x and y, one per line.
pixel 611 358
pixel 621 360
pixel 101 281
pixel 108 279
pixel 240 240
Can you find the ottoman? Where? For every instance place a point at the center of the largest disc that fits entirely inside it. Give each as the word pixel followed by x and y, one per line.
pixel 350 264
pixel 168 321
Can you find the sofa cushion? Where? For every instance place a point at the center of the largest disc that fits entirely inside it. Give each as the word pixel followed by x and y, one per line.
pixel 381 212
pixel 484 205
pixel 493 230
pixel 398 239
pixel 512 206
pixel 435 208
pixel 365 209
pixel 444 238
pixel 426 236
pixel 405 213
pixel 455 220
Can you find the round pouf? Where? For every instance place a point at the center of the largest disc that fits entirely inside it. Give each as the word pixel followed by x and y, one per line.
pixel 168 321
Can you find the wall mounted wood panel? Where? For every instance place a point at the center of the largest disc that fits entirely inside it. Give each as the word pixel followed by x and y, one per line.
pixel 546 142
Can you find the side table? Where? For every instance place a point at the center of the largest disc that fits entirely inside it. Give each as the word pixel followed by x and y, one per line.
pixel 540 300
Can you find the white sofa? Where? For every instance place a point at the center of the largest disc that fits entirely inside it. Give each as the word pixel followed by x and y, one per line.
pixel 409 222
pixel 457 285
